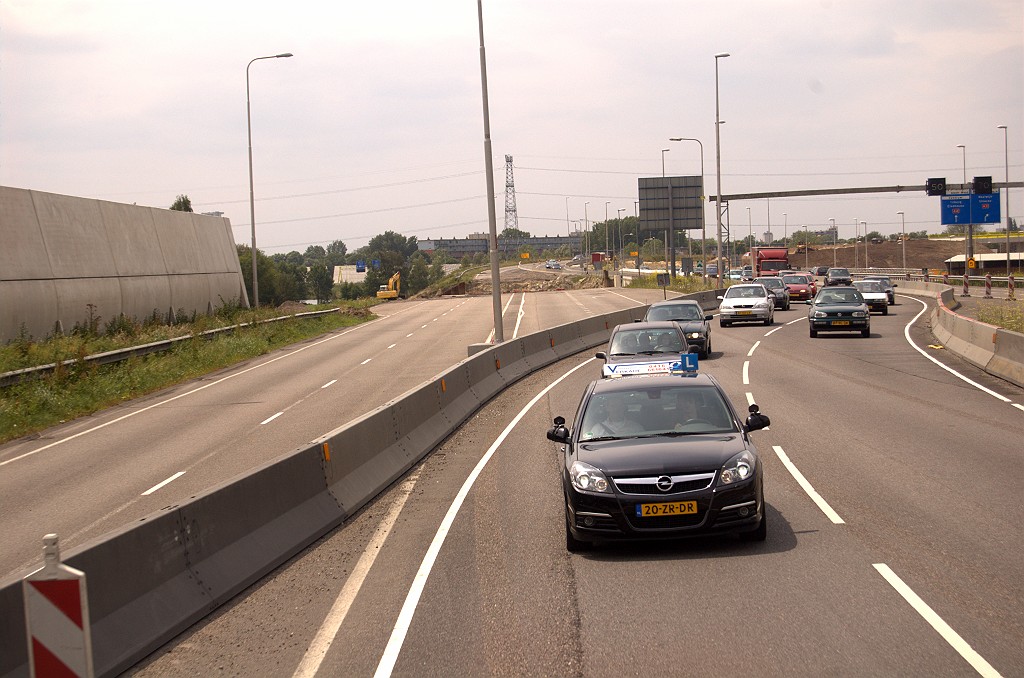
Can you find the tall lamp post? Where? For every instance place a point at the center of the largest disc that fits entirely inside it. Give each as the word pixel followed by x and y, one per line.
pixel 834 240
pixel 969 233
pixel 865 229
pixel 252 199
pixel 785 230
pixel 568 230
pixel 607 247
pixel 618 227
pixel 703 230
pixel 586 229
pixel 903 238
pixel 1006 191
pixel 750 236
pixel 718 173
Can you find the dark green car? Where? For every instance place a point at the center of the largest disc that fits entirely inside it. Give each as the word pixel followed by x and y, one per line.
pixel 839 309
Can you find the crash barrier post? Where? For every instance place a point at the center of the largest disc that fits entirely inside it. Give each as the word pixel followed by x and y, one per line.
pixel 967 286
pixel 988 285
pixel 57 617
pixel 945 278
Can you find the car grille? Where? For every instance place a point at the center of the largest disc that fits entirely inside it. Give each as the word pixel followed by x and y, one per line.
pixel 649 485
pixel 668 522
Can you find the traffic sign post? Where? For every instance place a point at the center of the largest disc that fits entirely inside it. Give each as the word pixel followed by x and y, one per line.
pixel 57 617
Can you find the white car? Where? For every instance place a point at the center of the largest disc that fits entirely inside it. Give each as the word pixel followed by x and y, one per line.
pixel 874 295
pixel 746 303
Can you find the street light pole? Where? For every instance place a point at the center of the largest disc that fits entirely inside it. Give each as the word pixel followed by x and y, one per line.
pixel 903 238
pixel 1006 191
pixel 607 247
pixel 618 227
pixel 969 233
pixel 568 231
pixel 785 230
pixel 718 173
pixel 750 235
pixel 586 229
pixel 499 330
pixel 703 229
pixel 865 225
pixel 252 199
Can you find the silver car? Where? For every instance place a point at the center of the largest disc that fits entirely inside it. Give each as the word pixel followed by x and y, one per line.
pixel 746 303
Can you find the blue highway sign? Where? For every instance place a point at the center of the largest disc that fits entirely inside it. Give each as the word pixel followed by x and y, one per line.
pixel 971 209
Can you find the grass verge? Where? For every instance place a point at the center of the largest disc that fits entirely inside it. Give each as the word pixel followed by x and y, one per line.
pixel 1008 314
pixel 83 389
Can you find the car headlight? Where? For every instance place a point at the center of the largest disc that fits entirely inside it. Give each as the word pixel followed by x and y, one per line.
pixel 588 479
pixel 693 335
pixel 820 314
pixel 761 304
pixel 738 468
pixel 859 314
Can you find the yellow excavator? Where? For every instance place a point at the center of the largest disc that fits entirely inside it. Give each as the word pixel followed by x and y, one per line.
pixel 392 289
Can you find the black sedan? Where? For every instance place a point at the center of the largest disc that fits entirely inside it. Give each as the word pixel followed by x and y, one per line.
pixel 643 347
pixel 691 318
pixel 839 309
pixel 659 457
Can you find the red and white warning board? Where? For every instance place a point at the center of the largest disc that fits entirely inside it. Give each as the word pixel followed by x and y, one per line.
pixel 57 617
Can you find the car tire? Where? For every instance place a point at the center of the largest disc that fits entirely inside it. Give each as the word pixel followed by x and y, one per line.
pixel 885 311
pixel 865 333
pixel 759 533
pixel 814 334
pixel 572 544
pixel 722 323
pixel 768 321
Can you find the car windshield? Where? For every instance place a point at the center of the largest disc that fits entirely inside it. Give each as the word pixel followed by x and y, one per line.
pixel 744 292
pixel 795 279
pixel 867 286
pixel 839 272
pixel 675 312
pixel 839 296
pixel 646 342
pixel 650 412
pixel 771 282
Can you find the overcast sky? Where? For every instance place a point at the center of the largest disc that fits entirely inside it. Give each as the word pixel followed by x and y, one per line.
pixel 376 123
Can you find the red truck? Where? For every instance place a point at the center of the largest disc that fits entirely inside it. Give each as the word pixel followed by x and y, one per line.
pixel 770 260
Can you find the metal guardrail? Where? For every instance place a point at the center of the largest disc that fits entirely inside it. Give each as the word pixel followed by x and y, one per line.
pixel 109 357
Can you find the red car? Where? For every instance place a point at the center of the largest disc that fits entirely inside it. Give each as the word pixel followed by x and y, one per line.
pixel 801 286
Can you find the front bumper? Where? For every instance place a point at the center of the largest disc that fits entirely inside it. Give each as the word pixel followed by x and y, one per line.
pixel 593 517
pixel 742 314
pixel 832 324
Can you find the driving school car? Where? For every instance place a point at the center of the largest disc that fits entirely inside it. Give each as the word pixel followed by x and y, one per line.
pixel 644 347
pixel 660 456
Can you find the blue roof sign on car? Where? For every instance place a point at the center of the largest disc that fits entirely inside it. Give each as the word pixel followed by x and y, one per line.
pixel 686 365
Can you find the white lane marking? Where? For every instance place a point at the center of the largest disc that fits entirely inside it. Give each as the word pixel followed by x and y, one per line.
pixel 193 391
pixel 798 320
pixel 795 472
pixel 746 373
pixel 392 346
pixel 906 333
pixel 366 361
pixel 519 316
pixel 490 337
pixel 754 347
pixel 944 629
pixel 159 485
pixel 750 398
pixel 771 332
pixel 270 419
pixel 330 383
pixel 1019 407
pixel 394 646
pixel 409 335
pixel 423 327
pixel 321 643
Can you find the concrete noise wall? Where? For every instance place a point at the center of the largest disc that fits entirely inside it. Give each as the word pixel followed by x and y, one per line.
pixel 59 254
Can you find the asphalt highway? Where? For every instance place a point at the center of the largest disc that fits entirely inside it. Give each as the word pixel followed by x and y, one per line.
pixel 95 474
pixel 892 476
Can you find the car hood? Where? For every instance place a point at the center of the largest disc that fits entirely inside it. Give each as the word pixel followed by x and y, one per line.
pixel 838 308
pixel 659 455
pixel 688 326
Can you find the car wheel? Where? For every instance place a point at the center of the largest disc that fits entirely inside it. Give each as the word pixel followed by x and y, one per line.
pixel 786 308
pixel 769 320
pixel 865 333
pixel 722 323
pixel 814 334
pixel 572 544
pixel 759 533
pixel 885 311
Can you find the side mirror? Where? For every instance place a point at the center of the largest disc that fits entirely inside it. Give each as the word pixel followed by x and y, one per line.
pixel 559 433
pixel 895 285
pixel 602 356
pixel 709 317
pixel 809 302
pixel 720 296
pixel 756 420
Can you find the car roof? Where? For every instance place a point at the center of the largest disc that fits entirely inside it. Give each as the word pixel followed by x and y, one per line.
pixel 676 302
pixel 641 382
pixel 648 325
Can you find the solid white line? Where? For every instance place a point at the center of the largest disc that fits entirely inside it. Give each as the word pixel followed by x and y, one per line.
pixel 188 393
pixel 159 485
pixel 270 419
pixel 798 320
pixel 394 646
pixel 366 361
pixel 771 332
pixel 392 346
pixel 795 472
pixel 906 333
pixel 753 348
pixel 332 381
pixel 746 373
pixel 321 643
pixel 1019 407
pixel 944 629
